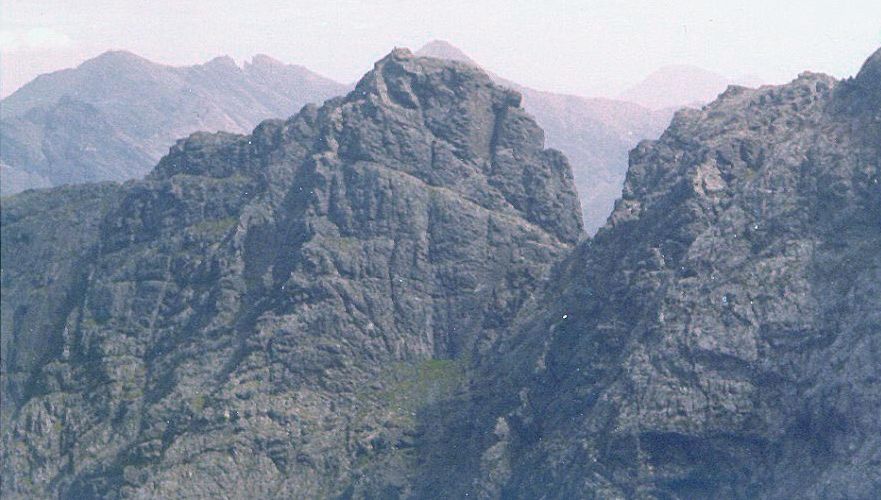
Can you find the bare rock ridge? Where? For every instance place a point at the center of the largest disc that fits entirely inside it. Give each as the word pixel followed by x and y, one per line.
pixel 388 297
pixel 720 336
pixel 114 116
pixel 276 314
pixel 595 134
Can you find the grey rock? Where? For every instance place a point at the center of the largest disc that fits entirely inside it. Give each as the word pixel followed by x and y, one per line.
pixel 720 336
pixel 387 297
pixel 114 116
pixel 595 134
pixel 275 314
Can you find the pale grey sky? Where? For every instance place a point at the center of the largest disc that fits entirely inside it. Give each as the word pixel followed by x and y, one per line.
pixel 590 47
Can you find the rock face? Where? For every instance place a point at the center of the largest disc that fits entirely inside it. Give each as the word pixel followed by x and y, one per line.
pixel 721 335
pixel 351 303
pixel 595 134
pixel 113 117
pixel 275 315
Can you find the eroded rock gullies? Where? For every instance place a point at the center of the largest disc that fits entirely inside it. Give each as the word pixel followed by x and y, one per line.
pixel 272 315
pixel 721 335
pixel 350 303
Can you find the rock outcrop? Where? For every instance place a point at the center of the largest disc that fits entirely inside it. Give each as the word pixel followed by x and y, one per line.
pixel 595 134
pixel 274 315
pixel 387 297
pixel 114 116
pixel 721 335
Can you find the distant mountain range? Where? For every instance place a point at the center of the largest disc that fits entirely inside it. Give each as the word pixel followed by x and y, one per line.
pixel 114 116
pixel 677 86
pixel 595 134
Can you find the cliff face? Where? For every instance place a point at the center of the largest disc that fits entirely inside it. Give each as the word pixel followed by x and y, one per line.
pixel 595 134
pixel 273 314
pixel 351 303
pixel 720 336
pixel 114 116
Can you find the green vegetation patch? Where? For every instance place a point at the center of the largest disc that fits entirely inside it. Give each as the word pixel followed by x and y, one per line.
pixel 410 387
pixel 214 228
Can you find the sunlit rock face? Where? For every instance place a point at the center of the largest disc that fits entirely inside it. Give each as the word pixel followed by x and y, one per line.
pixel 274 315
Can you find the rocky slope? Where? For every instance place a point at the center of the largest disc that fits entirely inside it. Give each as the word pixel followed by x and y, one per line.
pixel 595 134
pixel 277 314
pixel 114 116
pixel 721 335
pixel 350 304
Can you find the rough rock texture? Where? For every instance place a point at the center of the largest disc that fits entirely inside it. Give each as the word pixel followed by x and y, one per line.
pixel 350 304
pixel 721 336
pixel 114 116
pixel 595 134
pixel 274 315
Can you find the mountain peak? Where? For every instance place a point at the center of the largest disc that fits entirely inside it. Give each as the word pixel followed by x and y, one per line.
pixel 441 49
pixel 400 53
pixel 870 74
pixel 343 248
pixel 266 61
pixel 393 78
pixel 222 62
pixel 115 58
pixel 678 85
pixel 129 125
pixel 861 95
pixel 119 55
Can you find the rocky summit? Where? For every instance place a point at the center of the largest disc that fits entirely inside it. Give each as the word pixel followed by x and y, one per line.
pixel 272 315
pixel 721 335
pixel 595 134
pixel 389 296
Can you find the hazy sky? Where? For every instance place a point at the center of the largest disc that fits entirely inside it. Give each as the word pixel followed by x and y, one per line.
pixel 584 47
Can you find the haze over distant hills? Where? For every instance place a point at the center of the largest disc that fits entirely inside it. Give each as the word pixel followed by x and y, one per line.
pixel 596 134
pixel 677 86
pixel 114 116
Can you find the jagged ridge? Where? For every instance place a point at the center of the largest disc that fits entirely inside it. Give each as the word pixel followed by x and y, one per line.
pixel 242 321
pixel 719 337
